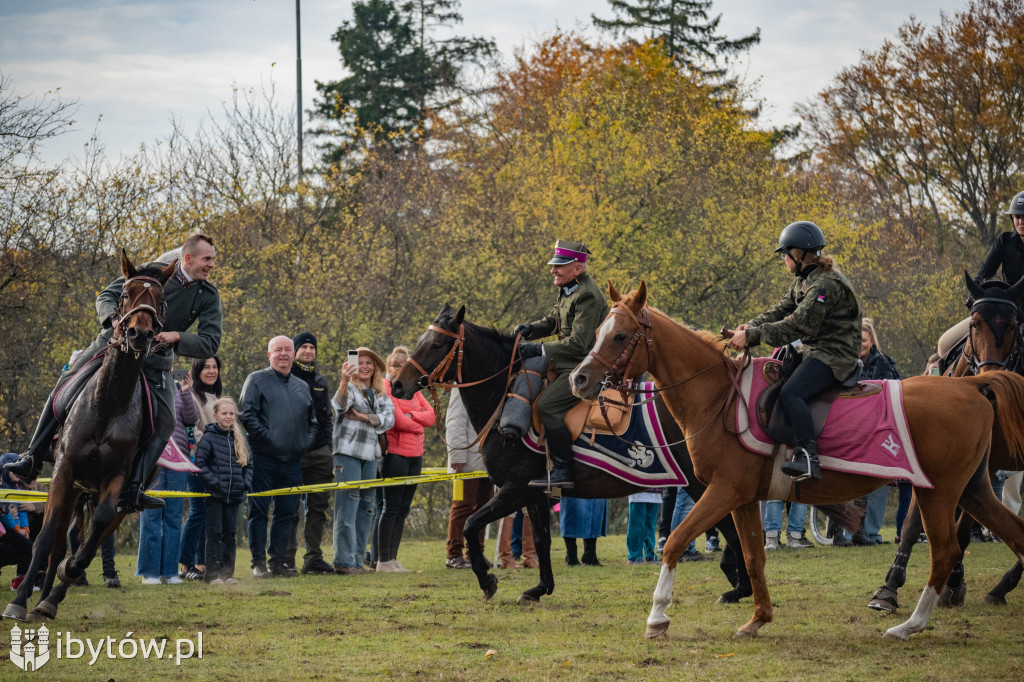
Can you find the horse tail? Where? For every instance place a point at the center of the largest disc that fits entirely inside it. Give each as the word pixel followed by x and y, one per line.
pixel 1006 390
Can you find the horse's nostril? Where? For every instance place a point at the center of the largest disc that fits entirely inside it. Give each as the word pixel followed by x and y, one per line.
pixel 132 332
pixel 150 333
pixel 579 380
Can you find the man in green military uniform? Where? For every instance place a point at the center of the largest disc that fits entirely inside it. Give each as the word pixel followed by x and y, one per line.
pixel 577 314
pixel 189 298
pixel 822 311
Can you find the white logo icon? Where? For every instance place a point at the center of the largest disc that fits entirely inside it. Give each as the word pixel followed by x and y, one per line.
pixel 642 456
pixel 892 445
pixel 30 649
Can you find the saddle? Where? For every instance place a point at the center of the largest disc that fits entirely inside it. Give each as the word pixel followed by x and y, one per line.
pixel 776 423
pixel 586 416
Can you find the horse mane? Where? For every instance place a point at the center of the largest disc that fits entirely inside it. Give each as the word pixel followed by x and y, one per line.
pixel 490 332
pixel 713 339
pixel 150 270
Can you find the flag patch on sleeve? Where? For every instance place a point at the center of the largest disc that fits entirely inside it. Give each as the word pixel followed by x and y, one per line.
pixel 821 297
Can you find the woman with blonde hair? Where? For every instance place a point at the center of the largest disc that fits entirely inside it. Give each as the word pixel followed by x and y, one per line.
pixel 362 411
pixel 404 458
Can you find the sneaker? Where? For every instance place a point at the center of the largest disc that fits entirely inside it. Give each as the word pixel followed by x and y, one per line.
pixel 216 581
pixel 231 581
pixel 771 540
pixel 797 541
pixel 391 567
pixel 350 570
pixel 260 572
pixel 194 573
pixel 283 571
pixel 694 555
pixel 630 562
pixel 175 580
pixel 317 566
pixel 661 546
pixel 712 545
pixel 152 581
pixel 459 562
pixel 112 581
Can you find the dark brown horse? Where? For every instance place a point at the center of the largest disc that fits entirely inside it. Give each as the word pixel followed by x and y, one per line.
pixel 993 343
pixel 97 443
pixel 483 356
pixel 951 423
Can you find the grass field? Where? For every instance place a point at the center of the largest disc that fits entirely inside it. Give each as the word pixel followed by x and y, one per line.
pixel 433 624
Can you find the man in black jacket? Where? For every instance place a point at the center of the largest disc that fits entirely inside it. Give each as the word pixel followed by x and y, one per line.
pixel 276 410
pixel 318 463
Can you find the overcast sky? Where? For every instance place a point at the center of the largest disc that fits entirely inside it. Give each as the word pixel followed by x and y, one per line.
pixel 138 62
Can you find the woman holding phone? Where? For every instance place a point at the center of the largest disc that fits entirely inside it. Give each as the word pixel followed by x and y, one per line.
pixel 362 411
pixel 207 386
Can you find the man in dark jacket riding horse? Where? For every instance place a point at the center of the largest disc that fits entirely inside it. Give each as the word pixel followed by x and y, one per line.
pixel 578 312
pixel 189 298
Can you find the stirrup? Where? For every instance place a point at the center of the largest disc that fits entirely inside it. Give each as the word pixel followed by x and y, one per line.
pixel 794 469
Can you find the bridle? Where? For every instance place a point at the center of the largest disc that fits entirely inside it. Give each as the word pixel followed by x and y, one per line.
pixel 157 316
pixel 973 364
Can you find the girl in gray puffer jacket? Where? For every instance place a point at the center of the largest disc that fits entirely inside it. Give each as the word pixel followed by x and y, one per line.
pixel 223 457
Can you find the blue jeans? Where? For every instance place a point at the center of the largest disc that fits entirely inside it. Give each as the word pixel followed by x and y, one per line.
pixel 772 514
pixel 160 530
pixel 268 474
pixel 193 535
pixel 640 530
pixel 684 503
pixel 353 510
pixel 875 514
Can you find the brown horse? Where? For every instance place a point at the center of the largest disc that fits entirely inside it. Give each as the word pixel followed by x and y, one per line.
pixel 97 443
pixel 993 343
pixel 951 423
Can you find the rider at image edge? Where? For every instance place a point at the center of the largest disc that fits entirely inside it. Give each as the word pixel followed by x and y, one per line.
pixel 822 311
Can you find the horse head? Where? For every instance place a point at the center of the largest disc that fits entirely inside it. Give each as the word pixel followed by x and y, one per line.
pixel 993 325
pixel 430 362
pixel 141 310
pixel 614 360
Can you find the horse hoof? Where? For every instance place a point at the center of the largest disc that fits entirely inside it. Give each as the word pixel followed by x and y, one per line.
pixel 16 612
pixel 994 600
pixel 732 597
pixel 884 599
pixel 896 636
pixel 953 597
pixel 35 617
pixel 45 608
pixel 527 598
pixel 656 630
pixel 491 587
pixel 62 573
pixel 743 634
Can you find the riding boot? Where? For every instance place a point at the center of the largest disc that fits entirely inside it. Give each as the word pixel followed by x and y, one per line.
pixel 133 497
pixel 571 558
pixel 589 557
pixel 560 450
pixel 27 466
pixel 804 464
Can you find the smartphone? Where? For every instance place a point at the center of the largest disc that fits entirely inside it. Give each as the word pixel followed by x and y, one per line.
pixel 935 371
pixel 179 374
pixel 353 358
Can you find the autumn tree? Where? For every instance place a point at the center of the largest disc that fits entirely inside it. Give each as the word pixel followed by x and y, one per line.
pixel 933 121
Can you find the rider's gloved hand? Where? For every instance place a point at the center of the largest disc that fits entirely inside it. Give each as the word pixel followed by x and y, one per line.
pixel 530 350
pixel 525 329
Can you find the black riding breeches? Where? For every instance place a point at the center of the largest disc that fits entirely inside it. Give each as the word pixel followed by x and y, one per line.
pixel 810 378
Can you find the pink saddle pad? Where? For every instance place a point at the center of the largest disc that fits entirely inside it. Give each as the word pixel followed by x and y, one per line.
pixel 867 436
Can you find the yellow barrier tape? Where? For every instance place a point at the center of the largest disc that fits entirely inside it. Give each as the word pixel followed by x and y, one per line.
pixel 12 495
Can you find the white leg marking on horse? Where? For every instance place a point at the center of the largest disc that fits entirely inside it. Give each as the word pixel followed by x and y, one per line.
pixel 919 619
pixel 662 596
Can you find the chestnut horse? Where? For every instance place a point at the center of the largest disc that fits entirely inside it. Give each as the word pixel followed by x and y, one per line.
pixel 951 423
pixel 993 343
pixel 97 443
pixel 481 370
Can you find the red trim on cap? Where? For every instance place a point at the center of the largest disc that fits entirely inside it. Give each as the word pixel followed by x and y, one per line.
pixel 569 253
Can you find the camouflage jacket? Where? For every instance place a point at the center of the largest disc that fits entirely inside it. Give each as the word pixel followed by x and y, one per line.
pixel 822 311
pixel 578 312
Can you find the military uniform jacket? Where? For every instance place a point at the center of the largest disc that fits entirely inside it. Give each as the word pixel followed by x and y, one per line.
pixel 579 311
pixel 198 301
pixel 822 311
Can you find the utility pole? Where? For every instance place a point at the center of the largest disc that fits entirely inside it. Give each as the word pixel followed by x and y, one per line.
pixel 298 86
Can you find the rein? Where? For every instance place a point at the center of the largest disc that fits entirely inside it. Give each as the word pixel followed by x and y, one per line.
pixel 435 379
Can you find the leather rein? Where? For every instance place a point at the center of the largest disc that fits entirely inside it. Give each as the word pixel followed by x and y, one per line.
pixel 435 379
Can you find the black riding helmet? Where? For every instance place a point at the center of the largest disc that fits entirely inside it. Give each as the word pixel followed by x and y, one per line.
pixel 1016 206
pixel 803 234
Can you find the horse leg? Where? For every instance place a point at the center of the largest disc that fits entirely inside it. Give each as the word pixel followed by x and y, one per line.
pixel 540 520
pixel 732 564
pixel 711 507
pixel 44 607
pixel 956 589
pixel 885 597
pixel 997 595
pixel 507 501
pixel 938 519
pixel 73 567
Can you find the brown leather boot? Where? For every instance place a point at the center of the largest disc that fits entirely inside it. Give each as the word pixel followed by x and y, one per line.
pixel 529 550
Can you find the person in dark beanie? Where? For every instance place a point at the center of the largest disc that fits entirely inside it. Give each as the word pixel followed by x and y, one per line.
pixel 317 464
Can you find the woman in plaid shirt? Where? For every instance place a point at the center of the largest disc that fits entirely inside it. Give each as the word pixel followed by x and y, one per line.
pixel 362 411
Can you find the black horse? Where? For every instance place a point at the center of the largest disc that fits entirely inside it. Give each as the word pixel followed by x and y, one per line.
pixel 510 464
pixel 993 343
pixel 97 443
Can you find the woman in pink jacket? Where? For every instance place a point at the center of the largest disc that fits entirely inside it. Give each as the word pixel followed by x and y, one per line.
pixel 404 458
